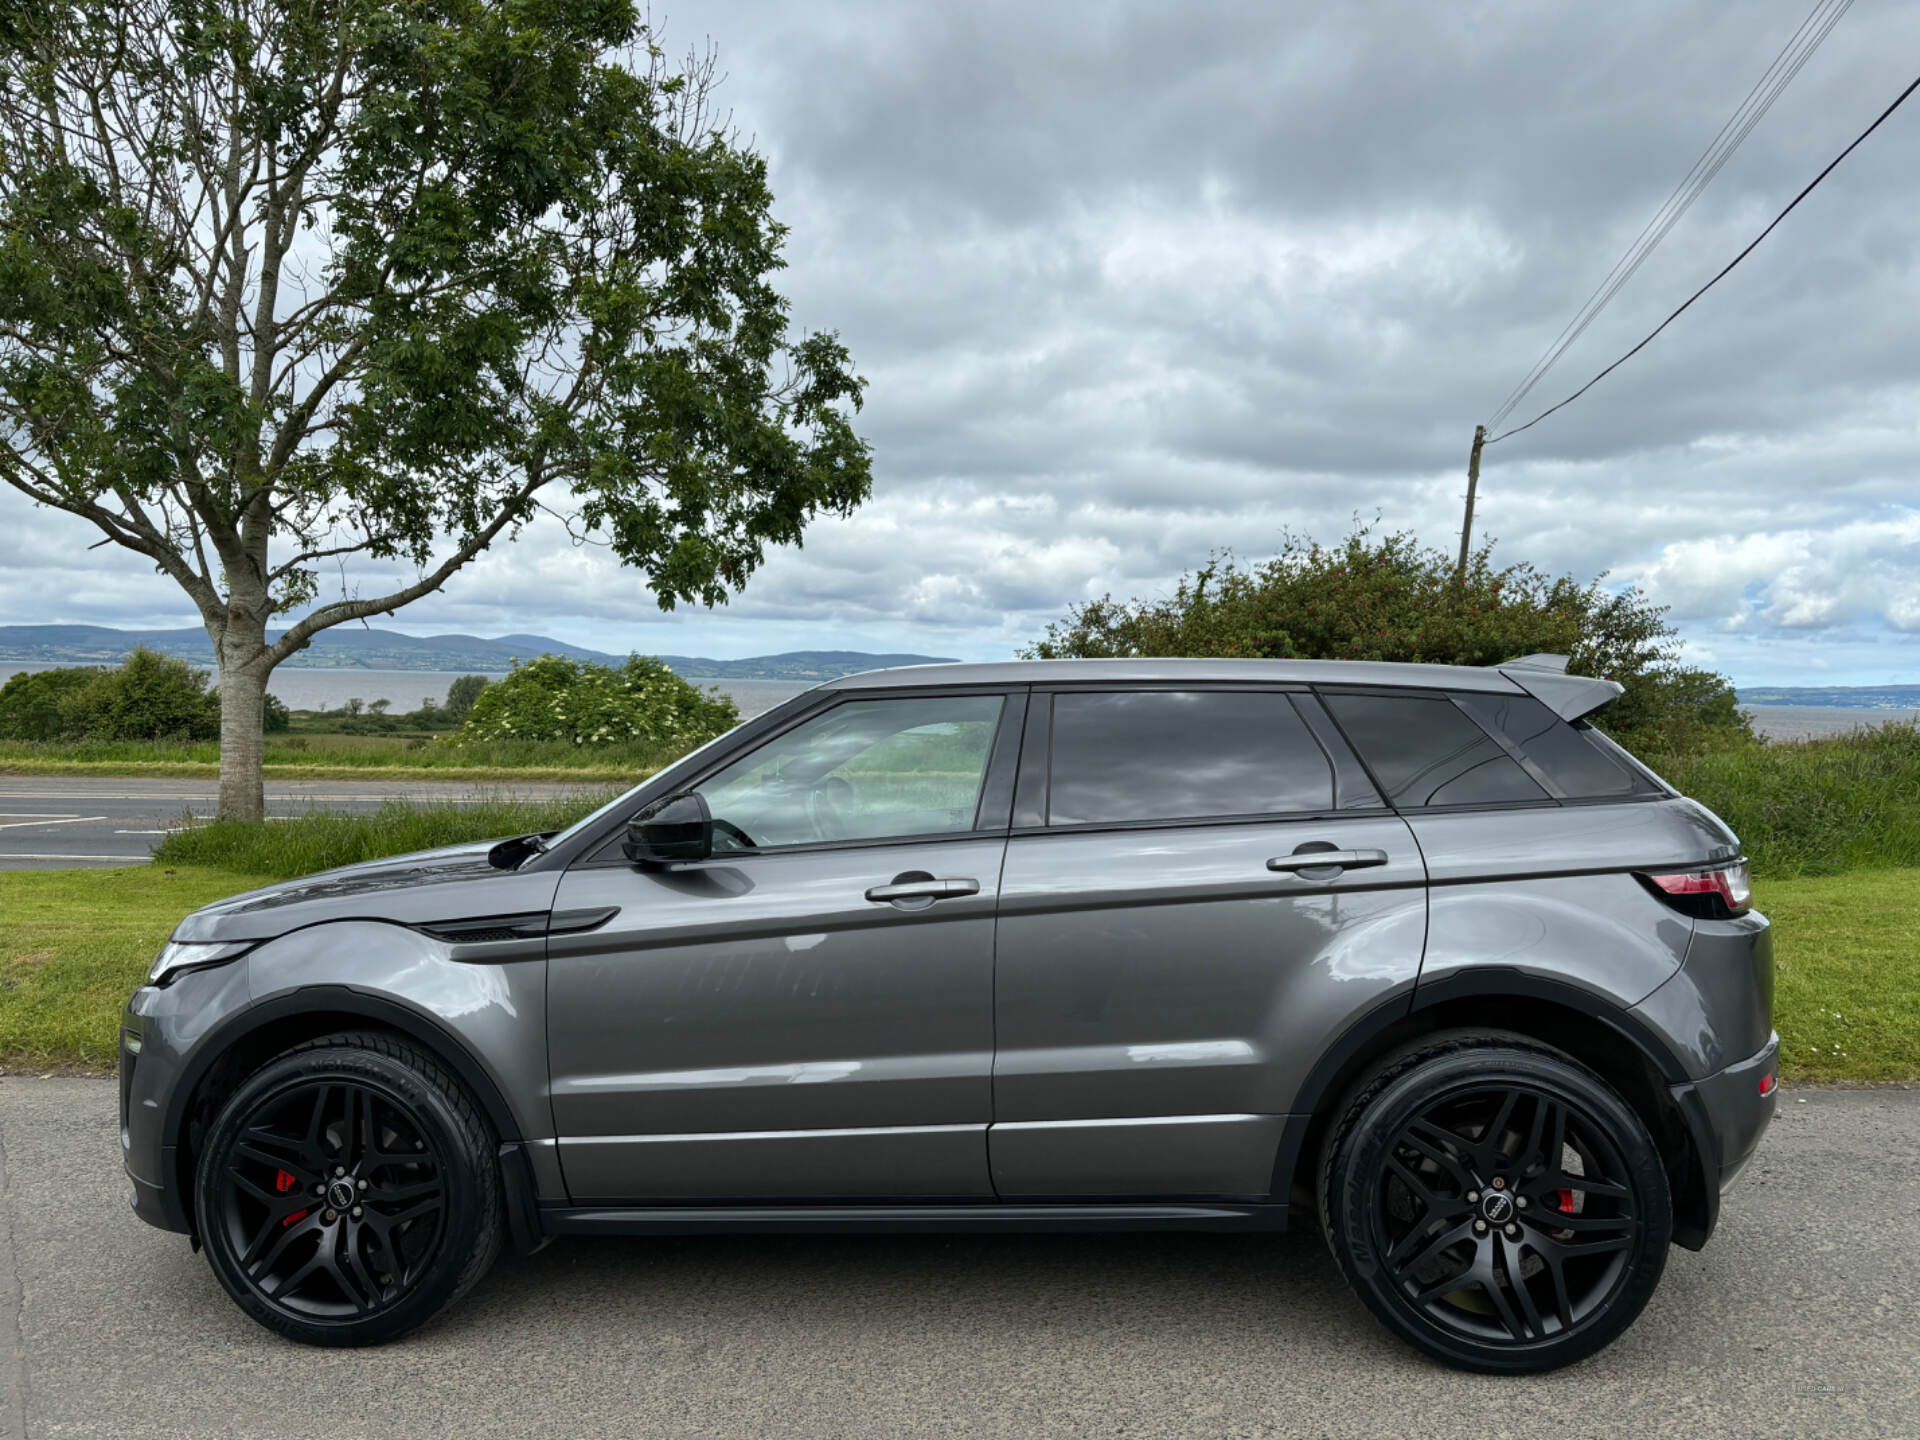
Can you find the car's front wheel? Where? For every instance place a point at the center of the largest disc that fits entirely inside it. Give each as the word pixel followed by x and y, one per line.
pixel 347 1191
pixel 1499 1207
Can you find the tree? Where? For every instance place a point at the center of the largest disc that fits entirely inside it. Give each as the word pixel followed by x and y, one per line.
pixel 1386 598
pixel 30 702
pixel 288 281
pixel 462 693
pixel 583 703
pixel 148 696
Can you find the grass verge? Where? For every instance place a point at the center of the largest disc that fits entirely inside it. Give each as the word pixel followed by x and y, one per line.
pixel 75 944
pixel 326 839
pixel 1813 807
pixel 345 757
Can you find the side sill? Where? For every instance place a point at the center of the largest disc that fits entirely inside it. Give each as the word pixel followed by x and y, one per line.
pixel 886 1219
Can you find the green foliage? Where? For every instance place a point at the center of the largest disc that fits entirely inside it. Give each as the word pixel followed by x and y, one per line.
pixel 327 839
pixel 1812 807
pixel 275 718
pixel 1386 598
pixel 30 702
pixel 474 258
pixel 462 693
pixel 583 703
pixel 148 696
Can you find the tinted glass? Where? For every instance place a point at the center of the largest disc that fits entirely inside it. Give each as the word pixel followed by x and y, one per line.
pixel 1178 755
pixel 1425 751
pixel 1569 759
pixel 866 770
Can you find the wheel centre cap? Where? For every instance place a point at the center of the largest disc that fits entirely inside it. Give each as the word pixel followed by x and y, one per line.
pixel 1496 1207
pixel 341 1194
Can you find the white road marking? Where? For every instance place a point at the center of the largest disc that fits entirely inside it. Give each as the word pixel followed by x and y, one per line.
pixel 68 820
pixel 37 855
pixel 175 831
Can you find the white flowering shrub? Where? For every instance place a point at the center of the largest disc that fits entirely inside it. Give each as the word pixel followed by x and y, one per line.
pixel 640 702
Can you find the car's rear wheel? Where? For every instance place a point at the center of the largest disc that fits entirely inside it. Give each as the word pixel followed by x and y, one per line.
pixel 348 1192
pixel 1499 1207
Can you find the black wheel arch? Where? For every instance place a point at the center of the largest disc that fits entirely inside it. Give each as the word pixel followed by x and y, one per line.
pixel 1595 1030
pixel 250 1037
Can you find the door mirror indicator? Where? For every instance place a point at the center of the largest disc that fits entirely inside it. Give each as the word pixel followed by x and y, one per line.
pixel 670 831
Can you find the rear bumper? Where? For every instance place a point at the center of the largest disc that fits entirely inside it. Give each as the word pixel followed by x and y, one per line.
pixel 1726 1114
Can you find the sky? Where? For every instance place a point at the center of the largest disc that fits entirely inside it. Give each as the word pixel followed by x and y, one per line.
pixel 1133 283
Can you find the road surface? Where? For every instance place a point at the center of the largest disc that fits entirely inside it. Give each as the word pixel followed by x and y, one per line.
pixel 1802 1318
pixel 67 821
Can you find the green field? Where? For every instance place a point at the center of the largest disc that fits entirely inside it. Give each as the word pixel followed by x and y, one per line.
pixel 323 755
pixel 75 943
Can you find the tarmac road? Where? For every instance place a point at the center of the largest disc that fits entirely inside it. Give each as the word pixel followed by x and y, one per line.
pixel 1802 1318
pixel 59 822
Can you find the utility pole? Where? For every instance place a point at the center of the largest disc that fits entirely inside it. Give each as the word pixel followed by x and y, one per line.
pixel 1473 484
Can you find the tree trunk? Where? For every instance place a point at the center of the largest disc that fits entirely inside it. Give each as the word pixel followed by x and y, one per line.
pixel 243 697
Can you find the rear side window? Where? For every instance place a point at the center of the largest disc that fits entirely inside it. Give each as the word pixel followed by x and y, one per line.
pixel 1181 755
pixel 1573 764
pixel 1424 751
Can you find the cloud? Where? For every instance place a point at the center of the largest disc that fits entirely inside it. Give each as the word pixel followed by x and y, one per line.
pixel 1133 283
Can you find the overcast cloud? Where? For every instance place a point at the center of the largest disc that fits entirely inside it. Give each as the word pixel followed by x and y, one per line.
pixel 1134 282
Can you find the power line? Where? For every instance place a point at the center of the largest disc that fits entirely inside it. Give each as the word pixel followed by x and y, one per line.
pixel 1792 58
pixel 1752 245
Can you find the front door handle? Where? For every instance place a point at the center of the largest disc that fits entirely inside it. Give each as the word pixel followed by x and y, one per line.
pixel 1327 860
pixel 923 888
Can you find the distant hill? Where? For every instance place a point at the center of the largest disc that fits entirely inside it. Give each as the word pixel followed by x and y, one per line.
pixel 355 649
pixel 1838 697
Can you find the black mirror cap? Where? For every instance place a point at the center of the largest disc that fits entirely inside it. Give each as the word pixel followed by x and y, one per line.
pixel 671 830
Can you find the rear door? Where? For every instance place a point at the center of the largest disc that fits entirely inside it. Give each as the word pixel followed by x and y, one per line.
pixel 1202 884
pixel 809 1014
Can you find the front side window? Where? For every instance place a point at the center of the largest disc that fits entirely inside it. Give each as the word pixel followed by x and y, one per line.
pixel 1425 751
pixel 1182 755
pixel 865 770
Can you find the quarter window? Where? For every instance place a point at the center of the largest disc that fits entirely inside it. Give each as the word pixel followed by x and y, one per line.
pixel 1182 754
pixel 865 770
pixel 1566 755
pixel 1425 751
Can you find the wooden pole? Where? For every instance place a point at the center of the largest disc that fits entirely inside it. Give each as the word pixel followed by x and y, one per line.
pixel 1473 485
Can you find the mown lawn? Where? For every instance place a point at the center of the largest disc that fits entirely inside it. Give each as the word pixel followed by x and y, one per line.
pixel 74 943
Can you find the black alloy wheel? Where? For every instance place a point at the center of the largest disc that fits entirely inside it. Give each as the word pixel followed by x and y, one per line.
pixel 348 1191
pixel 1501 1208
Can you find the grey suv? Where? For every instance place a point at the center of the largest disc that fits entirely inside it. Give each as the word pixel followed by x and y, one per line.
pixel 1407 952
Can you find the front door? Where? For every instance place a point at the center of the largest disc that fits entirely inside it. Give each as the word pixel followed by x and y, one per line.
pixel 808 1014
pixel 1201 885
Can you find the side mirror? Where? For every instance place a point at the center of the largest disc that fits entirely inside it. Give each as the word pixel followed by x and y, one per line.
pixel 673 829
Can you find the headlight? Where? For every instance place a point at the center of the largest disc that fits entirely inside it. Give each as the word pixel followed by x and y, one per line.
pixel 178 955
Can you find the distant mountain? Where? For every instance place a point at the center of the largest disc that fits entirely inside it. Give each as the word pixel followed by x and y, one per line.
pixel 354 649
pixel 1837 697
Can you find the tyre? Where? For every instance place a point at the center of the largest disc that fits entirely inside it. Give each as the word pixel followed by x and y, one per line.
pixel 1499 1207
pixel 348 1191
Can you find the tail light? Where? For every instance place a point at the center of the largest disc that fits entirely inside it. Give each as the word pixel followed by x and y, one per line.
pixel 1716 894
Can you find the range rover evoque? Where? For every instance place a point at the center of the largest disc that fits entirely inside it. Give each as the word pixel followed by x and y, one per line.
pixel 1408 952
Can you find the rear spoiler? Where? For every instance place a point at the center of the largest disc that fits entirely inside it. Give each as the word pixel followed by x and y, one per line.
pixel 1571 697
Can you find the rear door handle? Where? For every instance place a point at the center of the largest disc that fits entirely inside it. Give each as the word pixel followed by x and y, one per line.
pixel 1327 860
pixel 922 890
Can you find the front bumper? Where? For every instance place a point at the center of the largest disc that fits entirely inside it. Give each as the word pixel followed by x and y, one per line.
pixel 157 1030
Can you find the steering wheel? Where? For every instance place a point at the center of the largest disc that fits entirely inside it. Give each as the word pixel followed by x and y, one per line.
pixel 830 808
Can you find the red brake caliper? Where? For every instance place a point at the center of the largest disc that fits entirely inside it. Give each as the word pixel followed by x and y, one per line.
pixel 283 1182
